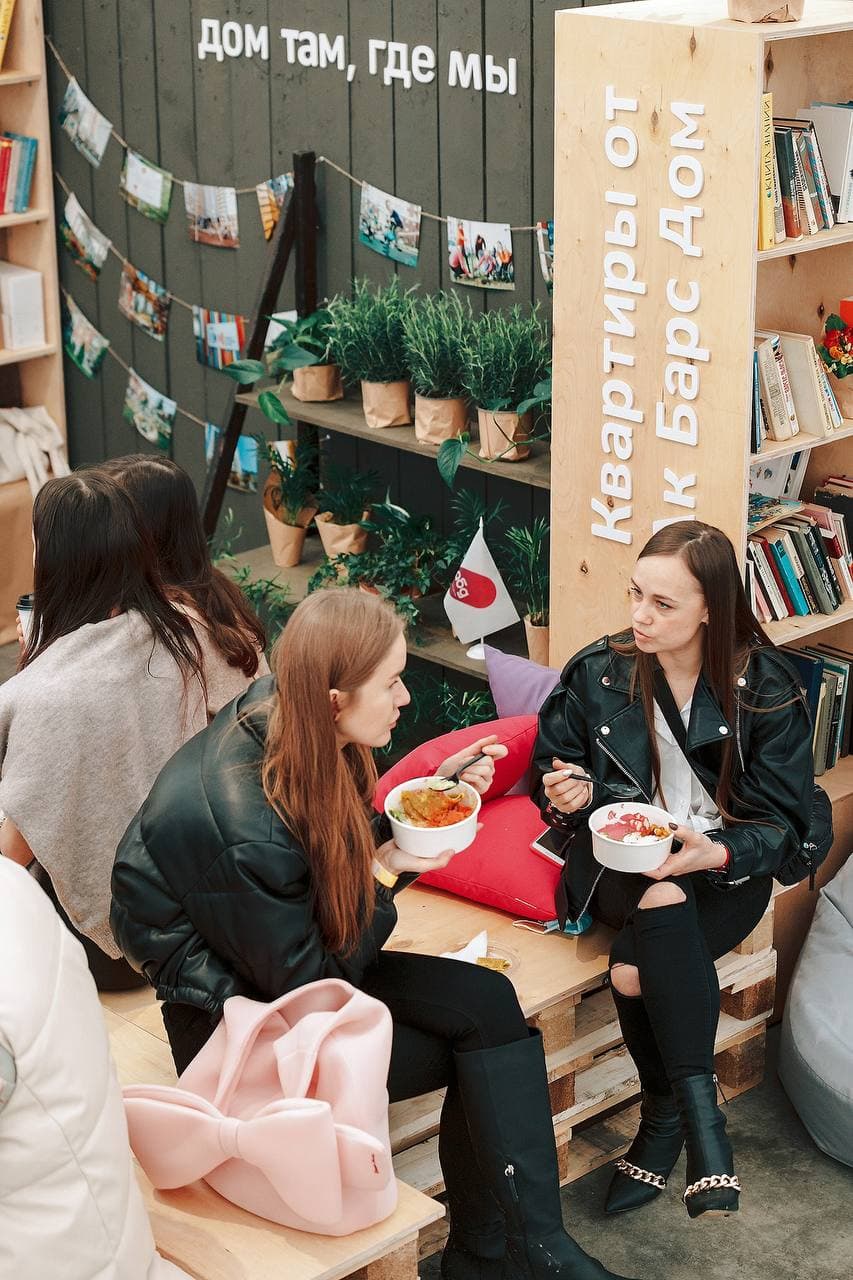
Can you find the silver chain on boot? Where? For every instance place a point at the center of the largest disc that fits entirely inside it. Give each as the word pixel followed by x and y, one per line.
pixel 640 1175
pixel 711 1182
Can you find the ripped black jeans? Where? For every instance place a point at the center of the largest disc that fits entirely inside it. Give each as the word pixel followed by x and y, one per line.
pixel 670 1028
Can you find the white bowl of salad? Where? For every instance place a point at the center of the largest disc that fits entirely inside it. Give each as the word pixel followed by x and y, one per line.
pixel 428 817
pixel 631 836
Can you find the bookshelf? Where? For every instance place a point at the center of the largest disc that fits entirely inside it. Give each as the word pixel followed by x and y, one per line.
pixel 663 60
pixel 32 376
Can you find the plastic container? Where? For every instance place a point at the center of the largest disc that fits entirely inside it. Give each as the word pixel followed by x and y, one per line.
pixel 618 856
pixel 429 842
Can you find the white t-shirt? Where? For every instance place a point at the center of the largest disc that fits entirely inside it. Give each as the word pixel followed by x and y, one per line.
pixel 681 793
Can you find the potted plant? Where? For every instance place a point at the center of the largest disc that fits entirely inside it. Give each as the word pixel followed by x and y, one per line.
pixel 527 571
pixel 289 503
pixel 344 505
pixel 506 357
pixel 435 331
pixel 366 333
pixel 303 349
pixel 836 350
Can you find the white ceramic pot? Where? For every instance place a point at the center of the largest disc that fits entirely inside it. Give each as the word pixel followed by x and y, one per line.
pixel 429 842
pixel 618 856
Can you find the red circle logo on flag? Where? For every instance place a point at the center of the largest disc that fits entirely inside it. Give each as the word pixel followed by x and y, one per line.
pixel 473 589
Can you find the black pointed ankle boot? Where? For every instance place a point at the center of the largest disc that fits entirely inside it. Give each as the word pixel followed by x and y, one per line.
pixel 640 1176
pixel 712 1186
pixel 505 1094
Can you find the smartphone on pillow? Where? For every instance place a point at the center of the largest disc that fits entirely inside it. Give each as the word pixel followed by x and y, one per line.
pixel 550 844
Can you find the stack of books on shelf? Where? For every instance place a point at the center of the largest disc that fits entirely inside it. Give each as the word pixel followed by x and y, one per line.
pixel 17 165
pixel 790 389
pixel 799 554
pixel 806 175
pixel 826 673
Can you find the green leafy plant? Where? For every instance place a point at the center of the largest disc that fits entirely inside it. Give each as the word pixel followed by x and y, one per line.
pixel 247 372
pixel 507 368
pixel 366 333
pixel 469 508
pixel 268 597
pixel 301 342
pixel 436 331
pixel 295 479
pixel 526 561
pixel 346 494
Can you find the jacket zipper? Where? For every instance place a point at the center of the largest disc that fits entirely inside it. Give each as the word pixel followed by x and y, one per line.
pixel 626 772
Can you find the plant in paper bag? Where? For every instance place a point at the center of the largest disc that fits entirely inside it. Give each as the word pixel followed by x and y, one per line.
pixel 343 507
pixel 367 342
pixel 302 350
pixel 291 483
pixel 436 329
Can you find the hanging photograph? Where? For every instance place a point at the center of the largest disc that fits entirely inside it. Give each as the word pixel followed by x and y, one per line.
pixel 219 337
pixel 83 345
pixel 145 186
pixel 545 243
pixel 389 226
pixel 144 302
pixel 480 253
pixel 271 195
pixel 152 413
pixel 84 124
pixel 212 215
pixel 87 245
pixel 243 475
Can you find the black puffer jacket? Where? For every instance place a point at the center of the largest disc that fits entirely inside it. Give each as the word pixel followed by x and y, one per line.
pixel 590 720
pixel 211 893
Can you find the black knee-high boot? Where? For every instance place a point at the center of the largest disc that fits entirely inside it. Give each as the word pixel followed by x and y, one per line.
pixel 505 1095
pixel 476 1245
pixel 682 998
pixel 641 1174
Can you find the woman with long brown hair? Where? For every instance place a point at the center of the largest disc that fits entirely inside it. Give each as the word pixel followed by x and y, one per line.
pixel 255 867
pixel 696 711
pixel 166 501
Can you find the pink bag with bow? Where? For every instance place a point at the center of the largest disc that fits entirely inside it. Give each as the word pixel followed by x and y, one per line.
pixel 284 1111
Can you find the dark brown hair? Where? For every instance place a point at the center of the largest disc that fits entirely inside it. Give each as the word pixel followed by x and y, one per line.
pixel 93 558
pixel 166 498
pixel 730 634
pixel 335 639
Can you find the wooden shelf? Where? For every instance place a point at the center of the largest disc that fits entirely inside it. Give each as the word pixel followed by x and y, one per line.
pixel 797 628
pixel 26 353
pixel 801 442
pixel 841 233
pixel 346 417
pixel 18 77
pixel 431 640
pixel 21 219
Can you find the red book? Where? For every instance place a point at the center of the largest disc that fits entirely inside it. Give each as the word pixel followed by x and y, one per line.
pixel 5 160
pixel 774 569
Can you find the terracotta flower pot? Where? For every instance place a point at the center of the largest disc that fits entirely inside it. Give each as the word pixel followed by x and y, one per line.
pixel 340 539
pixel 537 642
pixel 317 382
pixel 439 419
pixel 498 432
pixel 386 404
pixel 766 10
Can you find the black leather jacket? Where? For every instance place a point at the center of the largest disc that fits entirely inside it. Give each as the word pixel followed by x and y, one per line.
pixel 212 894
pixel 590 720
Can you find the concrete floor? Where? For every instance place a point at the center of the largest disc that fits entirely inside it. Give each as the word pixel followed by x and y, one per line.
pixel 795 1221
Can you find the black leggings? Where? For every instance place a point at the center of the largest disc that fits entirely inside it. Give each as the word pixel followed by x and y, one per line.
pixel 670 1028
pixel 109 974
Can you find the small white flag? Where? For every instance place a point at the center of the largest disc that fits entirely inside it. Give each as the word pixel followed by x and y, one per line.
pixel 477 602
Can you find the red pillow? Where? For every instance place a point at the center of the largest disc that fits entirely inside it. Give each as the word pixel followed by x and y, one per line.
pixel 499 869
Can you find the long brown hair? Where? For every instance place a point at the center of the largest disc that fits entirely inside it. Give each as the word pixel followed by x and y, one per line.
pixel 165 496
pixel 335 639
pixel 94 557
pixel 730 634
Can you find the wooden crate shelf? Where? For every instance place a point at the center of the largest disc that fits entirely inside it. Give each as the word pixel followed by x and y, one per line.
pixel 346 416
pixel 801 443
pixel 841 233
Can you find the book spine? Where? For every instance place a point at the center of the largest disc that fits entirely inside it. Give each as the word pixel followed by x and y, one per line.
pixel 802 579
pixel 772 592
pixel 765 184
pixel 786 387
pixel 790 207
pixel 10 204
pixel 28 178
pixel 825 569
pixel 798 600
pixel 810 180
pixel 787 603
pixel 779 233
pixel 804 204
pixel 7 8
pixel 778 422
pixel 820 590
pixel 819 171
pixel 5 159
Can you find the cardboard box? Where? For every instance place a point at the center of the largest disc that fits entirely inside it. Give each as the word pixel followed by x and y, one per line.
pixel 21 306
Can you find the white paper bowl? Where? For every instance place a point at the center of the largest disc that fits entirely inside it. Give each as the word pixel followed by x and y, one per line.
pixel 429 842
pixel 629 857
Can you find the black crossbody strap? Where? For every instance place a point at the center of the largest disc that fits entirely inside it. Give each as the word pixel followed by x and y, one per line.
pixel 666 702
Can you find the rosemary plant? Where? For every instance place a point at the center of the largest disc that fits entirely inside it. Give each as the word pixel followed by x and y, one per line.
pixel 436 331
pixel 366 333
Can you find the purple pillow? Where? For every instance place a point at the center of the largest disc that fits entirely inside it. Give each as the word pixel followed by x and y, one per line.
pixel 519 687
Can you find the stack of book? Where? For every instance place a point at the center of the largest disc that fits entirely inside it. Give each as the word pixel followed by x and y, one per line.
pixel 790 389
pixel 805 181
pixel 800 558
pixel 17 165
pixel 826 673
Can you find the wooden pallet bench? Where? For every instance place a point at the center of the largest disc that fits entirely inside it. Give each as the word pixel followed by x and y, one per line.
pixel 212 1239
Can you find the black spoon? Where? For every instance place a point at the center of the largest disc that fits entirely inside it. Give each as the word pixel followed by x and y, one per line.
pixel 621 790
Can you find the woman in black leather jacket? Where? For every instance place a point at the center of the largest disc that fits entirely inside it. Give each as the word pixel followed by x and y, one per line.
pixel 254 868
pixel 741 790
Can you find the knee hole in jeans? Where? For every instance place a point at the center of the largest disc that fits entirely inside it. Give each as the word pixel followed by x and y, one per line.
pixel 662 894
pixel 625 978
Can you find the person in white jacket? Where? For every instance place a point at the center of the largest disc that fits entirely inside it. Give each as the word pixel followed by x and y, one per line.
pixel 70 1205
